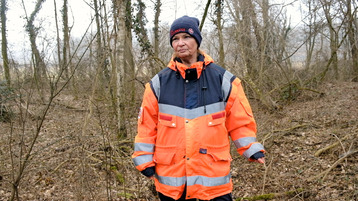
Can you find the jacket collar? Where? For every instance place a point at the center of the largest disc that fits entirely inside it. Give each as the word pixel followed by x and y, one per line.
pixel 203 60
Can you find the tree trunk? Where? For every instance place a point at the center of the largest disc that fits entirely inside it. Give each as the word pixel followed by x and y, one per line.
pixel 219 12
pixel 128 100
pixel 100 56
pixel 118 65
pixel 333 47
pixel 58 40
pixel 252 52
pixel 4 43
pixel 244 26
pixel 143 38
pixel 352 31
pixel 333 37
pixel 204 15
pixel 39 64
pixel 66 39
pixel 311 33
pixel 157 6
pixel 261 38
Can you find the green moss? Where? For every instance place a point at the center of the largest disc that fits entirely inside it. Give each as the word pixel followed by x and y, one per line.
pixel 126 195
pixel 271 196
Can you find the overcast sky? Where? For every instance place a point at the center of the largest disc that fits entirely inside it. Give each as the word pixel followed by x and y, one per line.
pixel 79 16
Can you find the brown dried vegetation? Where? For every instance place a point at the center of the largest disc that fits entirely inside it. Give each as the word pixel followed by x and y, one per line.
pixel 77 157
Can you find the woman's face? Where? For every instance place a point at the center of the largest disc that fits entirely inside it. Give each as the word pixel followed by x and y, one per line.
pixel 184 46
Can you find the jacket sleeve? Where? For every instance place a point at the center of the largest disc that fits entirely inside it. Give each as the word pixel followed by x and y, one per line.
pixel 144 143
pixel 240 122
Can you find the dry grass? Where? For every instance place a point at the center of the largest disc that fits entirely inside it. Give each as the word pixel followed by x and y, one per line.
pixel 77 161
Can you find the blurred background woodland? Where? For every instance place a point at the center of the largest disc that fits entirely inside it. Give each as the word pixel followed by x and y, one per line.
pixel 69 101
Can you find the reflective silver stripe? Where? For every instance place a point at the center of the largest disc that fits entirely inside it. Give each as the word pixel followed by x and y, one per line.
pixel 226 85
pixel 144 147
pixel 193 180
pixel 191 113
pixel 208 181
pixel 156 85
pixel 139 160
pixel 171 181
pixel 244 141
pixel 253 149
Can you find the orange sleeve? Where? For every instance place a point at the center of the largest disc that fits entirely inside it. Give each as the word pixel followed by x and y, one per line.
pixel 146 131
pixel 240 121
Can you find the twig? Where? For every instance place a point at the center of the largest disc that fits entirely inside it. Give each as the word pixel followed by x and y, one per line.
pixel 338 161
pixel 31 113
pixel 292 128
pixel 271 196
pixel 312 90
pixel 267 136
pixel 324 173
pixel 56 168
pixel 265 175
pixel 320 151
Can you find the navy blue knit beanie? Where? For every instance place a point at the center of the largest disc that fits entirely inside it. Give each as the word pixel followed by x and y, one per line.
pixel 188 25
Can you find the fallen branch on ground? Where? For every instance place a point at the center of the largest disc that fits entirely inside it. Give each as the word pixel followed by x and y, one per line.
pixel 32 114
pixel 285 131
pixel 271 196
pixel 319 152
pixel 325 173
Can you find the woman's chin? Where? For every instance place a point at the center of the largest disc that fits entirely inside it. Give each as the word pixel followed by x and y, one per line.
pixel 183 54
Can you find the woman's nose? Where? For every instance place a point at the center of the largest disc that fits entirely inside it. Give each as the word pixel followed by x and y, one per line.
pixel 181 42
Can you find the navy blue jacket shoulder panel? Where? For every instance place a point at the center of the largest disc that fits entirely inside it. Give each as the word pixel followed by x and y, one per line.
pixel 215 76
pixel 173 90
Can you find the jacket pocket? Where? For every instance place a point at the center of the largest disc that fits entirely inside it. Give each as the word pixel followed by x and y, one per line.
pixel 163 158
pixel 220 153
pixel 221 156
pixel 216 118
pixel 246 105
pixel 167 120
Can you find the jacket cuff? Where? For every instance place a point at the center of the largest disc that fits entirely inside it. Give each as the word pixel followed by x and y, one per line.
pixel 257 155
pixel 149 171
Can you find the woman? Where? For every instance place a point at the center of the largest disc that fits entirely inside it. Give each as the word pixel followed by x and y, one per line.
pixel 188 112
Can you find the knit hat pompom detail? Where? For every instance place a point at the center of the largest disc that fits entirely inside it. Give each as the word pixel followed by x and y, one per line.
pixel 186 24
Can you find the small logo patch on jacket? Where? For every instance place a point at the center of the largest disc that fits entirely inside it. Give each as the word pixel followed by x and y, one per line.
pixel 203 151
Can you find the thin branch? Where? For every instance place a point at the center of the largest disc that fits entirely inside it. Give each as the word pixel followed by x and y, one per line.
pixel 205 14
pixel 325 173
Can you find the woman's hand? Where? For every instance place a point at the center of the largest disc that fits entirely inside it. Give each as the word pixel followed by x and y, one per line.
pixel 258 157
pixel 261 160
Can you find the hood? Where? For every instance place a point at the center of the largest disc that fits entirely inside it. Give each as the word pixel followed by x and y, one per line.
pixel 203 60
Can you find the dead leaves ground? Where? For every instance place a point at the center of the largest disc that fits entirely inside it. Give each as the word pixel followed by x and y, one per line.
pixel 77 157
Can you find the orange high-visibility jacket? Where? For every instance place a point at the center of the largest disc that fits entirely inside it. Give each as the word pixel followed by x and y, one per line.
pixel 184 128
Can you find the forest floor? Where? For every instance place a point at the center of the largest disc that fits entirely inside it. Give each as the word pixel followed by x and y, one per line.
pixel 76 157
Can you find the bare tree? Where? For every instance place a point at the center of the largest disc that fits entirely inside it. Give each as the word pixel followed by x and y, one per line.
pixel 122 80
pixel 260 31
pixel 352 30
pixel 127 102
pixel 242 8
pixel 205 14
pixel 312 27
pixel 219 25
pixel 157 7
pixel 4 42
pixel 100 50
pixel 66 39
pixel 39 64
pixel 333 34
pixel 57 35
pixel 142 36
